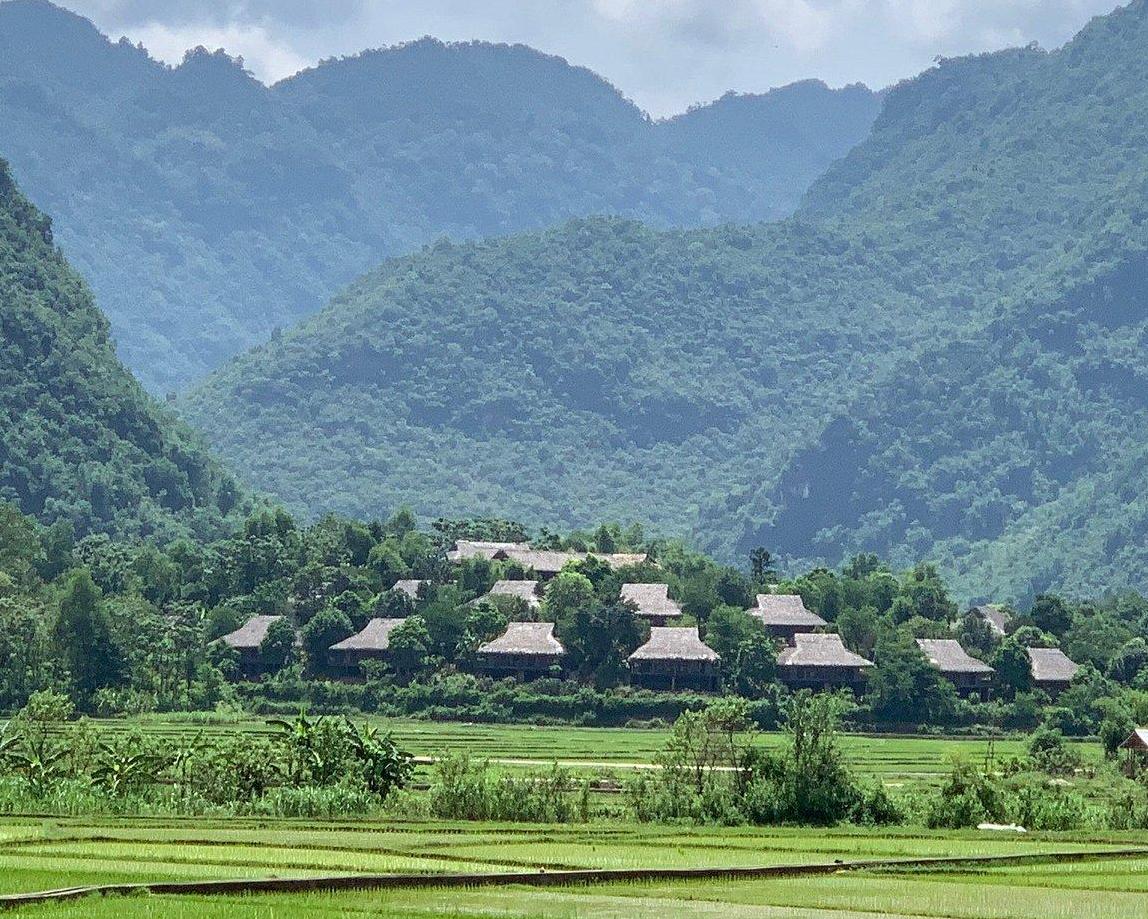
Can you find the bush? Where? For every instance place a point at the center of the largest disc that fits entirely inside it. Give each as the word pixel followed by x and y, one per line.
pixel 967 799
pixel 465 790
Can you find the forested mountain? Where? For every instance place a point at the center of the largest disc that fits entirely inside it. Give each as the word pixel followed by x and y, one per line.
pixel 81 444
pixel 940 354
pixel 208 210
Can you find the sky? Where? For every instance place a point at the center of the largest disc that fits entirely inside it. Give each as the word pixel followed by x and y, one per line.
pixel 663 54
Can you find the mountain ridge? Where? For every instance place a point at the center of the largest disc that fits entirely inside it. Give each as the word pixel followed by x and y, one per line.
pixel 216 210
pixel 83 445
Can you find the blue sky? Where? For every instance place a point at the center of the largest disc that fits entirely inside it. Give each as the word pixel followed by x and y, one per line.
pixel 664 54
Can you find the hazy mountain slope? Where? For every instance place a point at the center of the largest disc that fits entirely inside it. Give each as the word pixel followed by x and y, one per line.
pixel 871 374
pixel 208 210
pixel 81 441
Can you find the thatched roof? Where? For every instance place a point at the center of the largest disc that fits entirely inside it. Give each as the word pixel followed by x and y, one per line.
pixel 1137 740
pixel 994 615
pixel 470 548
pixel 546 561
pixel 1051 665
pixel 250 635
pixel 947 655
pixel 410 588
pixel 675 644
pixel 622 559
pixel 819 650
pixel 785 610
pixel 376 636
pixel 651 599
pixel 524 590
pixel 525 638
pixel 541 560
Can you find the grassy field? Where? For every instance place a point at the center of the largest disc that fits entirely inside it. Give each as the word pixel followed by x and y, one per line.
pixel 39 854
pixel 894 760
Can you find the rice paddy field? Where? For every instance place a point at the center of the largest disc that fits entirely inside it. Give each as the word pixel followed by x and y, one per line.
pixel 896 761
pixel 38 854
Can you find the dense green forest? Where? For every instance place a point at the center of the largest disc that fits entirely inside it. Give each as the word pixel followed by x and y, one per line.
pixel 82 447
pixel 207 210
pixel 939 355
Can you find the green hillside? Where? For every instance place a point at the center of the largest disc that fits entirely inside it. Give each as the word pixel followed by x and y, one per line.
pixel 939 355
pixel 208 210
pixel 81 441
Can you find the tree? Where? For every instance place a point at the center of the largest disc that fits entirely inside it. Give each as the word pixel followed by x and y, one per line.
pixel 393 604
pixel 821 788
pixel 568 592
pixel 386 561
pixel 58 542
pixel 1012 666
pixel 923 594
pixel 20 548
pixel 761 566
pixel 704 741
pixel 904 688
pixel 1051 614
pixel 278 645
pixel 408 650
pixel 726 629
pixel 753 665
pixel 327 627
pixel 598 637
pixel 977 636
pixel 858 628
pixel 401 522
pixel 83 638
pixel 1129 662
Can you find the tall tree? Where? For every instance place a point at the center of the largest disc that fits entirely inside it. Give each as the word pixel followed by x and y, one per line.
pixel 83 638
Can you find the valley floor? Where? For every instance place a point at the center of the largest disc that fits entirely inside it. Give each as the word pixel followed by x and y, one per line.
pixel 37 854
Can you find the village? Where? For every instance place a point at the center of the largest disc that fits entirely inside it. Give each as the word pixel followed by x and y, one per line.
pixel 809 655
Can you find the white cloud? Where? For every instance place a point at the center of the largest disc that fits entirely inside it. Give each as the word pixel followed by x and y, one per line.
pixel 264 57
pixel 665 54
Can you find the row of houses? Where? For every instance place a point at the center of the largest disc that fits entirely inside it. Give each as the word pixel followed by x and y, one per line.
pixel 674 657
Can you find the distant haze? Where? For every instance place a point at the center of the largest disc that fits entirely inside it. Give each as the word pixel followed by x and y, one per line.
pixel 664 54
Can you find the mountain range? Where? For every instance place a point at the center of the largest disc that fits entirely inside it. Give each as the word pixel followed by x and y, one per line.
pixel 208 210
pixel 939 355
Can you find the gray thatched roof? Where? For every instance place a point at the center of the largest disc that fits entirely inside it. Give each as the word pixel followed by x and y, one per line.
pixel 250 635
pixel 622 559
pixel 543 561
pixel 668 643
pixel 547 561
pixel 1051 665
pixel 1137 740
pixel 471 548
pixel 376 636
pixel 786 610
pixel 820 650
pixel 525 638
pixel 410 588
pixel 651 599
pixel 947 655
pixel 524 590
pixel 994 615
